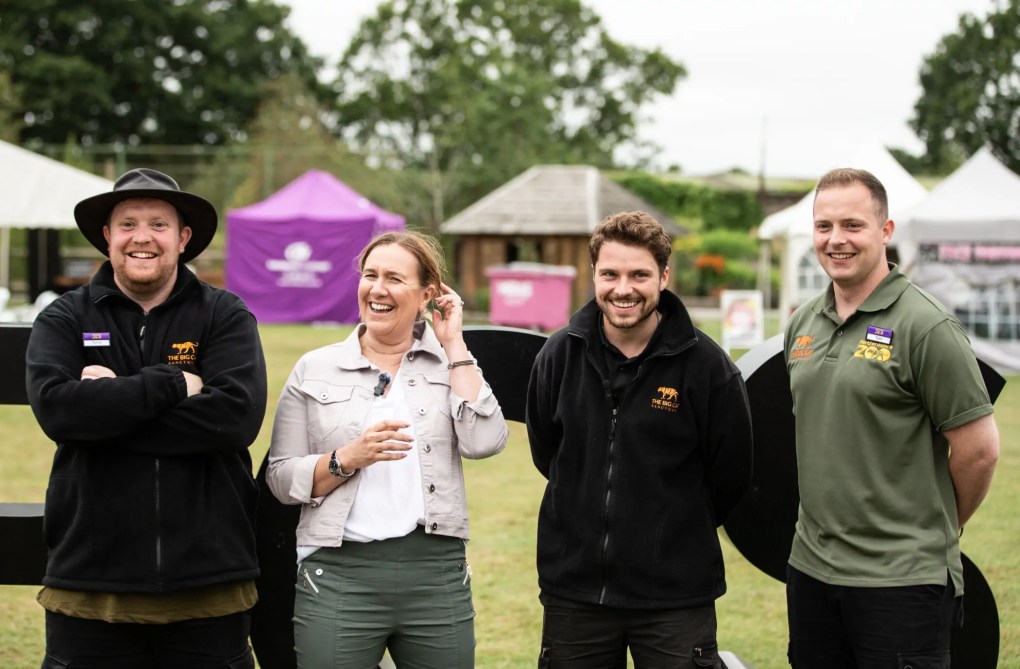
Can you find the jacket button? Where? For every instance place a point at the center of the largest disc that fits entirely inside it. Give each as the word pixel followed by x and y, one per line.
pixel 435 526
pixel 410 356
pixel 428 448
pixel 324 396
pixel 421 411
pixel 432 487
pixel 411 382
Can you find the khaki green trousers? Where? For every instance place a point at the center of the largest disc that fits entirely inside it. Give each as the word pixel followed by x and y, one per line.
pixel 410 595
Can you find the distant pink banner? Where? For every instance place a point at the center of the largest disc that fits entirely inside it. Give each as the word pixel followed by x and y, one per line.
pixel 996 253
pixel 971 253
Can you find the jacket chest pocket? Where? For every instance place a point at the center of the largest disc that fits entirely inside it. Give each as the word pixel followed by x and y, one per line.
pixel 428 399
pixel 330 407
pixel 438 385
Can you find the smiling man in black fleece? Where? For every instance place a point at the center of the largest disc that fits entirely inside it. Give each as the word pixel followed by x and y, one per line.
pixel 641 424
pixel 153 385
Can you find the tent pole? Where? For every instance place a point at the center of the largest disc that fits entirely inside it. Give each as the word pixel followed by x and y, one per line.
pixel 764 273
pixel 5 257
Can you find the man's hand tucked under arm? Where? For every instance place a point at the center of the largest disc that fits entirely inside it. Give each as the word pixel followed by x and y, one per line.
pixel 97 372
pixel 194 382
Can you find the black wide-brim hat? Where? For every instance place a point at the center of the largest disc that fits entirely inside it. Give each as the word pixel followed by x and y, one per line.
pixel 93 213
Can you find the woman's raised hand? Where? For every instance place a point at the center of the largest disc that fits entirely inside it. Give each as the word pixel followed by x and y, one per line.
pixel 379 442
pixel 448 317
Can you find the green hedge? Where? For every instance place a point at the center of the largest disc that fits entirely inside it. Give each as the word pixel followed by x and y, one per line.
pixel 714 209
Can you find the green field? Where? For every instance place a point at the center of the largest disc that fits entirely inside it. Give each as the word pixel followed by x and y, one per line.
pixel 504 494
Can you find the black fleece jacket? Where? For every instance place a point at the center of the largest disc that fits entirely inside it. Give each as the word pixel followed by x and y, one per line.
pixel 151 490
pixel 635 493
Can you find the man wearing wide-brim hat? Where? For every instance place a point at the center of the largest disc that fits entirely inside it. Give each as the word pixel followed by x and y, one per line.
pixel 153 385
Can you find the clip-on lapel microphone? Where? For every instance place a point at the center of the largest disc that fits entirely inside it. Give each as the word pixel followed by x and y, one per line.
pixel 384 380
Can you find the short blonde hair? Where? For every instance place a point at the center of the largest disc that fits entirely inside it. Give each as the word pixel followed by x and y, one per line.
pixel 847 176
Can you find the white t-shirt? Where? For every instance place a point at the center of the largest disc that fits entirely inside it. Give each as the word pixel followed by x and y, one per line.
pixel 390 502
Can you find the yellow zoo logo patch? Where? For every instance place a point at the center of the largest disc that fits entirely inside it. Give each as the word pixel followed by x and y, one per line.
pixel 869 350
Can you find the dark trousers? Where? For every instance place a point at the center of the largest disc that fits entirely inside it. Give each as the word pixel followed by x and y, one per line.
pixel 588 636
pixel 203 643
pixel 842 627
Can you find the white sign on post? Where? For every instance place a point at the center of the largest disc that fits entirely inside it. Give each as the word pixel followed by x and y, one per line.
pixel 743 318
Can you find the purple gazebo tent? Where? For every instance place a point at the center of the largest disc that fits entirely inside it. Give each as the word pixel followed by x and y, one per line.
pixel 291 257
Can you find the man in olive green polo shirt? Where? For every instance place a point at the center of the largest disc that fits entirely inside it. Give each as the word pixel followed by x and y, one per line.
pixel 896 446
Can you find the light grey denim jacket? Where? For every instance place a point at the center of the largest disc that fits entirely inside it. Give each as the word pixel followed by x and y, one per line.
pixel 324 406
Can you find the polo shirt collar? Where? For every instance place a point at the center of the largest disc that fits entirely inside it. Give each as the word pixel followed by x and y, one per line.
pixel 883 297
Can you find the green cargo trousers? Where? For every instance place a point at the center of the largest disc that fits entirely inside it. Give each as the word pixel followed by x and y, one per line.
pixel 410 595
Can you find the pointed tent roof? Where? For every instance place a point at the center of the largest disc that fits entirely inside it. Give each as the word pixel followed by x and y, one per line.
pixel 317 196
pixel 551 200
pixel 979 201
pixel 903 189
pixel 39 192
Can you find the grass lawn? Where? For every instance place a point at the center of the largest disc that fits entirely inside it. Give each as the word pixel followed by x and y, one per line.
pixel 504 494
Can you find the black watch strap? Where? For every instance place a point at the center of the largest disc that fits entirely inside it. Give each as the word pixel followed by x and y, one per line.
pixel 337 469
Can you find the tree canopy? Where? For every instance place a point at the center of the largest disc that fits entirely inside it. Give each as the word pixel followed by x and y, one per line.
pixel 471 93
pixel 971 91
pixel 181 72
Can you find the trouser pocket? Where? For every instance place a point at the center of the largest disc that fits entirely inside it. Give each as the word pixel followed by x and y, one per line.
pixel 243 661
pixel 50 662
pixel 938 659
pixel 705 655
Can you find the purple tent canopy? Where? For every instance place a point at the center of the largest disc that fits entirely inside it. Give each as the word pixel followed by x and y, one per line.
pixel 291 257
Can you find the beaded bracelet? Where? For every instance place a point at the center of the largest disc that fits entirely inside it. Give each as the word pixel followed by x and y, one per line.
pixel 469 361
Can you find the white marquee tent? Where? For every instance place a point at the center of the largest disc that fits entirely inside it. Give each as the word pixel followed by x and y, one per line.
pixel 39 192
pixel 963 245
pixel 788 232
pixel 980 201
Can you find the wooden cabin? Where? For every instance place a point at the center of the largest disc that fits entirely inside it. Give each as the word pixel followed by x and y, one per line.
pixel 545 215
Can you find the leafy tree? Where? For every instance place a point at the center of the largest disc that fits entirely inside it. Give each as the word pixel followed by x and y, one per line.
pixel 289 135
pixel 9 126
pixel 971 90
pixel 913 164
pixel 181 72
pixel 468 93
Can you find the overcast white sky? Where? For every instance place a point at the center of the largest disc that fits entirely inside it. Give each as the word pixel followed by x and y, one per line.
pixel 808 79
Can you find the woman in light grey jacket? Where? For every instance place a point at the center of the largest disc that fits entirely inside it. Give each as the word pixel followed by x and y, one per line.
pixel 368 438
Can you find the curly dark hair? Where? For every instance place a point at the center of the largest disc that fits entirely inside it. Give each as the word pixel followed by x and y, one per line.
pixel 633 228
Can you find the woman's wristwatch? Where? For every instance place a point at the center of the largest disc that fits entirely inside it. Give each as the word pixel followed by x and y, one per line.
pixel 336 469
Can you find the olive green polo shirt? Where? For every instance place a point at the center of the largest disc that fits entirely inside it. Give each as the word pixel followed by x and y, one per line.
pixel 211 601
pixel 872 396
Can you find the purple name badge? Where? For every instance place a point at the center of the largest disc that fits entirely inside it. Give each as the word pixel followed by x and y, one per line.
pixel 93 339
pixel 880 335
